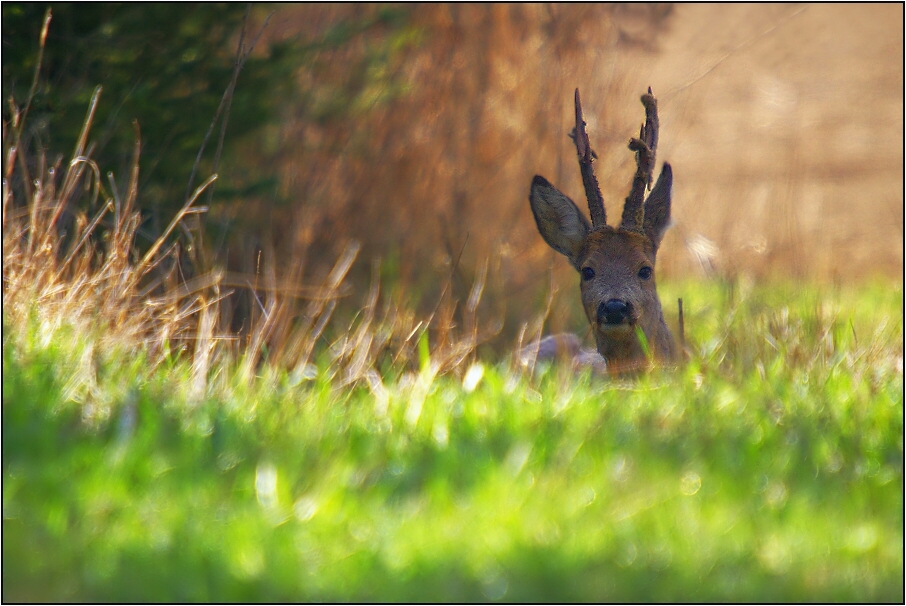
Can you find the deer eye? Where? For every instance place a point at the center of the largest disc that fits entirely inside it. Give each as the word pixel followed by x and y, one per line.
pixel 645 273
pixel 587 273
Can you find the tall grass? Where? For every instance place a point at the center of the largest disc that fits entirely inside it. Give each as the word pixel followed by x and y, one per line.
pixel 64 271
pixel 62 267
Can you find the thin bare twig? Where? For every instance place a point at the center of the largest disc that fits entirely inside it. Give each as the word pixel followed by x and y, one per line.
pixel 227 98
pixel 141 268
pixel 26 180
pixel 240 62
pixel 447 283
pixel 79 155
pixel 132 192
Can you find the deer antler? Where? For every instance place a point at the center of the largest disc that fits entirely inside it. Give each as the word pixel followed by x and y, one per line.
pixel 645 148
pixel 586 157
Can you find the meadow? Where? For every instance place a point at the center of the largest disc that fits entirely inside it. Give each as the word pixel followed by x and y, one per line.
pixel 308 429
pixel 767 468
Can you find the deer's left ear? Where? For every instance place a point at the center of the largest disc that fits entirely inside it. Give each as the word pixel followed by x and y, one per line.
pixel 657 207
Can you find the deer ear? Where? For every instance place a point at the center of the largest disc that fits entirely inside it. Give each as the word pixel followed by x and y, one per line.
pixel 657 207
pixel 559 220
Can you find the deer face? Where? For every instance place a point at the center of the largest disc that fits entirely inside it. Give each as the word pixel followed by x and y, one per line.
pixel 617 279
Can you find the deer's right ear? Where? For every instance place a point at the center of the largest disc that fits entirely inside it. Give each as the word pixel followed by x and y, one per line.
pixel 560 222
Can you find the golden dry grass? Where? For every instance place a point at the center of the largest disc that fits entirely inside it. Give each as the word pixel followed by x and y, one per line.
pixel 64 269
pixel 73 278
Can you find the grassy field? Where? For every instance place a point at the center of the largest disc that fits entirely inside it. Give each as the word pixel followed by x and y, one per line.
pixel 769 468
pixel 332 449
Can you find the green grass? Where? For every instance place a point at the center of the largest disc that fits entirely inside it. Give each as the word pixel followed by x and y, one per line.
pixel 769 468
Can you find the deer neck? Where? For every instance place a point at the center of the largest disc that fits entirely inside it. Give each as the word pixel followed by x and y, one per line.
pixel 623 350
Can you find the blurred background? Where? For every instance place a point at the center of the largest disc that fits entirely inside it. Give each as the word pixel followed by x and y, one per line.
pixel 416 130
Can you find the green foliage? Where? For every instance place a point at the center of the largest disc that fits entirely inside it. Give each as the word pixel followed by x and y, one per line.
pixel 768 468
pixel 167 67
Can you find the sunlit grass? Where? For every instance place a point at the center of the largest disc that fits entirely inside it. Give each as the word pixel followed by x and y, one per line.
pixel 767 468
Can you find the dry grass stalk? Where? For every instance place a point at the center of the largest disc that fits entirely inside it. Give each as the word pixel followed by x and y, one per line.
pixel 94 283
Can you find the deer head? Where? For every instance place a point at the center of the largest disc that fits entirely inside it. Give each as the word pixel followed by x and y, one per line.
pixel 616 265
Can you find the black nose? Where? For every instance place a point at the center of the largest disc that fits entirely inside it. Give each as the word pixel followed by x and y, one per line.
pixel 613 311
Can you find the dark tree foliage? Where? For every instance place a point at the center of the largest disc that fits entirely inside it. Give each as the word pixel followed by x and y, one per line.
pixel 165 65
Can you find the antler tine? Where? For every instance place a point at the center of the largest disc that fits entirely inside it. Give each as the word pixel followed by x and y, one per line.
pixel 645 148
pixel 586 157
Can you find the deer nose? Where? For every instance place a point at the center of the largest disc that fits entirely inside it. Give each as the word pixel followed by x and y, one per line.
pixel 613 311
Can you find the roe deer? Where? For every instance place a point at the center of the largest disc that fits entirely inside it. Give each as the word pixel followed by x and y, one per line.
pixel 616 265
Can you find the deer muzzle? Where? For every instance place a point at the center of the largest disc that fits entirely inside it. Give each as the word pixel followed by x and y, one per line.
pixel 614 312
